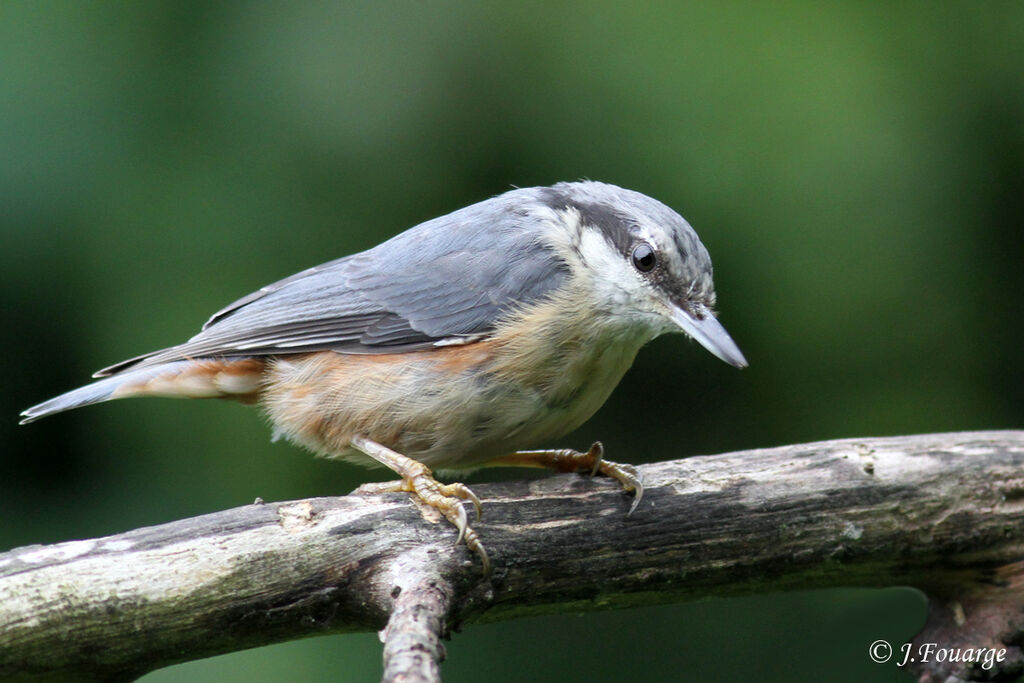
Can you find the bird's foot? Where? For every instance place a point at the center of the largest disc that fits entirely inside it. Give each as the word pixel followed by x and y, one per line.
pixel 569 460
pixel 419 480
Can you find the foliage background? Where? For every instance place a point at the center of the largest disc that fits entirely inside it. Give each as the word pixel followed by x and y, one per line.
pixel 856 170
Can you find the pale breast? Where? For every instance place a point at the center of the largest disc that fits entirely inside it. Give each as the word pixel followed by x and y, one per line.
pixel 538 378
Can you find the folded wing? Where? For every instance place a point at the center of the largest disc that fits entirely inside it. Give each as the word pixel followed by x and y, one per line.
pixel 445 281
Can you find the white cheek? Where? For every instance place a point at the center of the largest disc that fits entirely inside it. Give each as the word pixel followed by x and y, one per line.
pixel 616 286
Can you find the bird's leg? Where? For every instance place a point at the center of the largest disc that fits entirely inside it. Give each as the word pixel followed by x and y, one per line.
pixel 568 460
pixel 419 480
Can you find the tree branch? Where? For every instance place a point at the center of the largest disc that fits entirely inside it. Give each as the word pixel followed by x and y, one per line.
pixel 942 512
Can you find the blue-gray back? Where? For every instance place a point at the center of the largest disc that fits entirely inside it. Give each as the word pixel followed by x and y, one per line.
pixel 449 278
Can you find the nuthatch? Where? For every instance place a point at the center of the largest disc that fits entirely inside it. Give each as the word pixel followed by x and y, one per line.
pixel 454 344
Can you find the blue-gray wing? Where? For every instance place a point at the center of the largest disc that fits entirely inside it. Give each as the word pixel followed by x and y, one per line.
pixel 445 281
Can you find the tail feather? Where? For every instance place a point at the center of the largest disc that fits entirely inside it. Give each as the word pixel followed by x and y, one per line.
pixel 212 378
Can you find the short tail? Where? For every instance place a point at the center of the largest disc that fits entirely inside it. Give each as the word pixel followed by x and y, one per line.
pixel 237 378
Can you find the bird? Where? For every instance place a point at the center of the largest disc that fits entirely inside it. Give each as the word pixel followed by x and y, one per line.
pixel 464 341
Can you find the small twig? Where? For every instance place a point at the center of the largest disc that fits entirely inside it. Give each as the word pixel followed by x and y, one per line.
pixel 413 650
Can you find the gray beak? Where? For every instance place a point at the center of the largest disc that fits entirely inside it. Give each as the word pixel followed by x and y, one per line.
pixel 699 323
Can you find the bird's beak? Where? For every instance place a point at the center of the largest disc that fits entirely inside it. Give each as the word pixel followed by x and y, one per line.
pixel 698 322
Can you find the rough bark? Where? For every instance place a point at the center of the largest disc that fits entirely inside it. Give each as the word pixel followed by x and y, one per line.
pixel 942 512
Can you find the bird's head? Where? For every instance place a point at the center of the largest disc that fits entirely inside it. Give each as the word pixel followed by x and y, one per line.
pixel 641 261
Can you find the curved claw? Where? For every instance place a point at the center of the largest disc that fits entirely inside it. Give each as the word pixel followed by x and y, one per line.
pixel 461 523
pixel 597 453
pixel 464 492
pixel 473 543
pixel 625 475
pixel 638 489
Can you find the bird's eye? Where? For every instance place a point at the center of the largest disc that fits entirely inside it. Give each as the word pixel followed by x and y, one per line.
pixel 644 259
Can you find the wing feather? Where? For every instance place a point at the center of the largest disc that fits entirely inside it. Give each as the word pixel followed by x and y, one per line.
pixel 445 281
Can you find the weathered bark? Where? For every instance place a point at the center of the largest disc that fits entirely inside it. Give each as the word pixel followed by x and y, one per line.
pixel 942 512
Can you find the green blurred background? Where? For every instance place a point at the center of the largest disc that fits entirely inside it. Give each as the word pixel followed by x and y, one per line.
pixel 855 169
